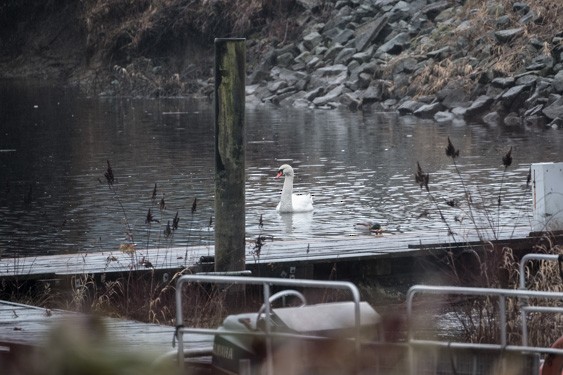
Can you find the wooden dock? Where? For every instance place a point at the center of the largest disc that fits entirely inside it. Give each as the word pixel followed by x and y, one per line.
pixel 352 258
pixel 24 328
pixel 387 256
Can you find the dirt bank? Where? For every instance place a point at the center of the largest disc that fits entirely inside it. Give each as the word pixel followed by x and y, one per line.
pixel 147 48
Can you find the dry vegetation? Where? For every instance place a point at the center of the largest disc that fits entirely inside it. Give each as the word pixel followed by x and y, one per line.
pixel 493 266
pixel 476 51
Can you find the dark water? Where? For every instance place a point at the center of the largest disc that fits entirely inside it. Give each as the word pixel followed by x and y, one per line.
pixel 55 143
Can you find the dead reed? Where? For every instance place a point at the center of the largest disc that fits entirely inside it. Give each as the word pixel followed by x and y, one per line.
pixel 491 266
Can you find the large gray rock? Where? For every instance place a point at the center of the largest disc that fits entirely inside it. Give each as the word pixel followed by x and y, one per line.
pixel 377 91
pixel 514 97
pixel 400 11
pixel 409 106
pixel 288 75
pixel 433 9
pixel 555 109
pixel 351 101
pixel 262 71
pixel 505 36
pixel 480 105
pixel 405 65
pixel 329 75
pixel 366 33
pixel 512 120
pixel 311 40
pixel 428 110
pixel 452 95
pixel 558 82
pixel 330 96
pixel 492 118
pixel 503 82
pixel 309 4
pixel 310 95
pixel 333 51
pixel 343 37
pixel 395 45
pixel 526 79
pixel 344 56
pixel 443 116
pixel 285 60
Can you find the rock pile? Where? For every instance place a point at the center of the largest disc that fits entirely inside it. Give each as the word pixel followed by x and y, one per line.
pixel 432 59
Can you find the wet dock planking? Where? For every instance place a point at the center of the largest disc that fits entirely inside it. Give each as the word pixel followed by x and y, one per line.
pixel 23 327
pixel 276 258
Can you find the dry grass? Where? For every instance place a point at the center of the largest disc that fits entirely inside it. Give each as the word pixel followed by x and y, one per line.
pixel 478 42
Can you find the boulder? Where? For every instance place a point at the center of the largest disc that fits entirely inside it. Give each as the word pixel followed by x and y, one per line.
pixel 262 71
pixel 428 110
pixel 555 109
pixel 311 40
pixel 405 65
pixel 534 111
pixel 309 4
pixel 329 75
pixel 276 85
pixel 492 118
pixel 556 123
pixel 512 120
pixel 351 101
pixel 377 91
pixel 343 37
pixel 285 60
pixel 310 95
pixel 314 63
pixel 344 56
pixel 333 51
pixel 368 32
pixel 439 54
pixel 503 82
pixel 409 106
pixel 526 79
pixel 452 95
pixel 433 9
pixel 395 45
pixel 479 105
pixel 505 36
pixel 558 82
pixel 400 11
pixel 443 116
pixel 514 97
pixel 536 121
pixel 459 112
pixel 330 96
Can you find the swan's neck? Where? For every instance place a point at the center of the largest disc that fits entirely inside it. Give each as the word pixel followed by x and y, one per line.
pixel 287 191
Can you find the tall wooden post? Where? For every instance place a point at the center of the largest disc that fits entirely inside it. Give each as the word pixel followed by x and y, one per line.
pixel 230 75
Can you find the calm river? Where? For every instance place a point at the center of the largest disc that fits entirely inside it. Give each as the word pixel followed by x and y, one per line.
pixel 55 145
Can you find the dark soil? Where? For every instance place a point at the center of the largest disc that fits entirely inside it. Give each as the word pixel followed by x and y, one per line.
pixel 143 48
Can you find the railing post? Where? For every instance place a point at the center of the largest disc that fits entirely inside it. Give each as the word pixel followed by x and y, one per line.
pixel 229 154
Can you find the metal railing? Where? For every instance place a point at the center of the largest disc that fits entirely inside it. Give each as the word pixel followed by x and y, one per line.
pixel 526 309
pixel 266 285
pixel 411 344
pixel 502 295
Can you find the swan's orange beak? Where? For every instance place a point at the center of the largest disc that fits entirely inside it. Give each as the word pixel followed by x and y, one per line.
pixel 280 173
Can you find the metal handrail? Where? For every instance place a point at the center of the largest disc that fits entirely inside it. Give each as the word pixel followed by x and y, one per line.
pixel 522 280
pixel 266 283
pixel 502 294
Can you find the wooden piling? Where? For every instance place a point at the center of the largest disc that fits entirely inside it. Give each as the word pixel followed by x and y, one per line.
pixel 229 154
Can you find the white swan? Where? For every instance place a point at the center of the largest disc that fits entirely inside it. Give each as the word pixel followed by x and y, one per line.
pixel 290 202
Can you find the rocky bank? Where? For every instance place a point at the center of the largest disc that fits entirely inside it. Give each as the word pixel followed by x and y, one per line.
pixel 493 61
pixel 432 59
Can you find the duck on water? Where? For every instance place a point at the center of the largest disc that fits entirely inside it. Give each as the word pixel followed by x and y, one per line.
pixel 290 202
